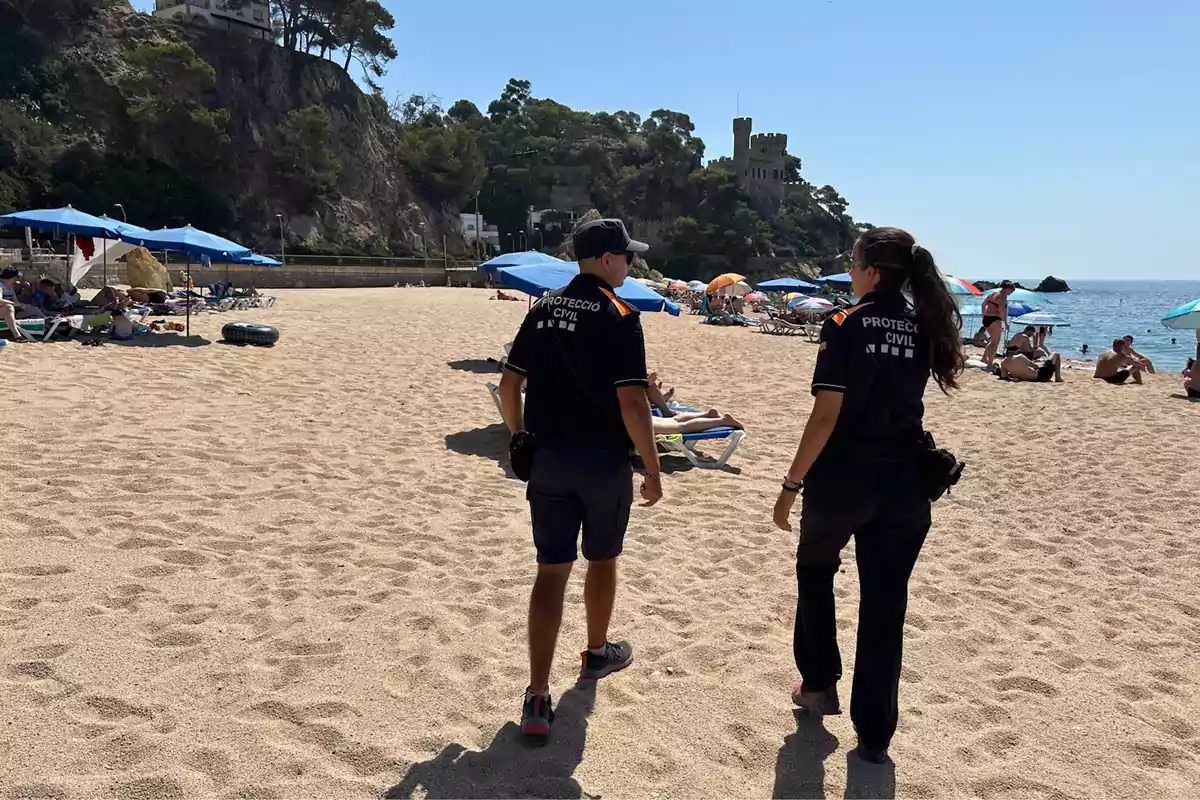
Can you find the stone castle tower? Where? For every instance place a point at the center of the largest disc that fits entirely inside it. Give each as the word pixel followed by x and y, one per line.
pixel 758 162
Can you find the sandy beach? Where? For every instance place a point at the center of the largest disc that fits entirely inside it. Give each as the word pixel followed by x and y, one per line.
pixel 302 572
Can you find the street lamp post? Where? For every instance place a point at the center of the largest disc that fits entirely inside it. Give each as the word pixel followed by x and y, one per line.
pixel 522 240
pixel 541 238
pixel 511 248
pixel 282 255
pixel 123 217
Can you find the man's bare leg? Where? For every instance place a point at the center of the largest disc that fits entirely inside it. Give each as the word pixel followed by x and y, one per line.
pixel 675 425
pixel 599 594
pixel 8 310
pixel 545 618
pixel 1137 374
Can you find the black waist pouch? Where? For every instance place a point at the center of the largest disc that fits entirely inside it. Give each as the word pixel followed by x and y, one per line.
pixel 939 468
pixel 521 449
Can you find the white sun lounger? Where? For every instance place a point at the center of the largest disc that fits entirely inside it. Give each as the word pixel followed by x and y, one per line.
pixel 676 444
pixel 41 328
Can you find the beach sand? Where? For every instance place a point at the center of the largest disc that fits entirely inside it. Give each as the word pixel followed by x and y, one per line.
pixel 303 572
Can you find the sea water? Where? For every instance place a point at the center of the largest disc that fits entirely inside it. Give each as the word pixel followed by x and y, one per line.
pixel 1100 311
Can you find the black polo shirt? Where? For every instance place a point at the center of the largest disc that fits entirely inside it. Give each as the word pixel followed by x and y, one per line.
pixel 576 347
pixel 876 356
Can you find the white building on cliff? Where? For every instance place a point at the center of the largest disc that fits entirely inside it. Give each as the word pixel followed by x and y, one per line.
pixel 250 19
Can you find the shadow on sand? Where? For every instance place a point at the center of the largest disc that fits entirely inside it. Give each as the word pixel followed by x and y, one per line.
pixel 158 340
pixel 800 765
pixel 478 366
pixel 490 442
pixel 510 766
pixel 866 780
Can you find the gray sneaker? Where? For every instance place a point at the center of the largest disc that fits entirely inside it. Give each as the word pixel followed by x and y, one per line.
pixel 616 657
pixel 822 703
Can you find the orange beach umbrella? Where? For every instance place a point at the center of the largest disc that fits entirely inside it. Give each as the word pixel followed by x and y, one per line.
pixel 721 281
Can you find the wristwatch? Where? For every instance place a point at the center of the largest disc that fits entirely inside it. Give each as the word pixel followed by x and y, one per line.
pixel 790 485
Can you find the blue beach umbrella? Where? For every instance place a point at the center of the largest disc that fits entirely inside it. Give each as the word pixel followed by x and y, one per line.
pixel 66 219
pixel 537 279
pixel 1028 297
pixel 786 285
pixel 974 308
pixel 526 258
pixel 192 241
pixel 838 279
pixel 256 260
pixel 124 228
pixel 1044 319
pixel 1184 318
pixel 195 243
pixel 69 220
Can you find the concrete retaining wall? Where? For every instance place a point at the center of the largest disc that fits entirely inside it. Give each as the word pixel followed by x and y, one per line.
pixel 303 276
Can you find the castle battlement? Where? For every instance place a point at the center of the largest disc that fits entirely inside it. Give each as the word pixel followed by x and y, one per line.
pixel 759 162
pixel 772 144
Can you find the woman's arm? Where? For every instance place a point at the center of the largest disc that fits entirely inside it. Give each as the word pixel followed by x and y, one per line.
pixel 820 425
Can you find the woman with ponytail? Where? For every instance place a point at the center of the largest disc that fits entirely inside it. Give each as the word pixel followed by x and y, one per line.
pixel 860 464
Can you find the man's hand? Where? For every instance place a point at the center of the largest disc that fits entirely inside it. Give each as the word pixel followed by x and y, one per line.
pixel 651 490
pixel 783 510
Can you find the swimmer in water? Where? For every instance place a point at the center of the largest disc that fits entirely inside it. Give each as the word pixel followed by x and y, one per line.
pixel 1083 349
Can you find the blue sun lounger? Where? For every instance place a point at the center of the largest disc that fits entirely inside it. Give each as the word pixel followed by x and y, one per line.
pixel 681 444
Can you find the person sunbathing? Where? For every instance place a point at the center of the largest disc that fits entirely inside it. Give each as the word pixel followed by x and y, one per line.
pixel 1145 363
pixel 54 298
pixel 1019 367
pixel 500 295
pixel 144 297
pixel 1116 365
pixel 676 422
pixel 1026 344
pixel 12 306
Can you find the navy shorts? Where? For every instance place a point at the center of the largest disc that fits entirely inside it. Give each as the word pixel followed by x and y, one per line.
pixel 574 489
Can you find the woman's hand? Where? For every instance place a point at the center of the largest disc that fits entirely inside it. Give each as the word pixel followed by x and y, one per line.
pixel 783 510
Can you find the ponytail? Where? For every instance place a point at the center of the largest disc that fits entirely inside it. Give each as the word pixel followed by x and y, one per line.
pixel 902 262
pixel 939 318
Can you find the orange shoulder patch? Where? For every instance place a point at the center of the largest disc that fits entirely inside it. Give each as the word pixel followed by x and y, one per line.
pixel 618 302
pixel 840 316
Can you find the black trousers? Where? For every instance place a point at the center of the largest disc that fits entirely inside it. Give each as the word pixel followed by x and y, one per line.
pixel 889 530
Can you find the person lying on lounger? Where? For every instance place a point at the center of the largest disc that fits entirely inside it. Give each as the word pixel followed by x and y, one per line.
pixel 674 422
pixel 1117 365
pixel 1019 367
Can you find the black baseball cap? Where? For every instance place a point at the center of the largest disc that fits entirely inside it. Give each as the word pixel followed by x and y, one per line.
pixel 9 272
pixel 594 239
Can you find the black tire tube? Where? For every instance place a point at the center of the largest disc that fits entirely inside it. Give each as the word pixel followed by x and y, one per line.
pixel 249 333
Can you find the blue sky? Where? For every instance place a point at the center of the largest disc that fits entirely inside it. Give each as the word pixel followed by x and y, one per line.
pixel 1022 138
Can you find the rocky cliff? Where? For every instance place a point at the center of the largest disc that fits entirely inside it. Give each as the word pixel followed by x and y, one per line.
pixel 181 124
pixel 373 202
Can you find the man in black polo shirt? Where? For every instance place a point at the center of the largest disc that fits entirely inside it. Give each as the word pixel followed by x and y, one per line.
pixel 581 356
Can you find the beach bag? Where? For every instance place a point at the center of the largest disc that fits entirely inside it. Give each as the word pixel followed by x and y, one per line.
pixel 521 450
pixel 939 469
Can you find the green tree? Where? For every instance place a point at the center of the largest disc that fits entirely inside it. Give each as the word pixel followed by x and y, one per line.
pixel 165 96
pixel 511 101
pixel 305 167
pixel 359 27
